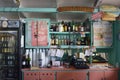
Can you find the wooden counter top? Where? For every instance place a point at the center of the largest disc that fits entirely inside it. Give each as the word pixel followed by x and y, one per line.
pixel 61 68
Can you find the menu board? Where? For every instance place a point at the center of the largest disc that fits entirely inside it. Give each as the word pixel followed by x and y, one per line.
pixel 102 34
pixel 37 32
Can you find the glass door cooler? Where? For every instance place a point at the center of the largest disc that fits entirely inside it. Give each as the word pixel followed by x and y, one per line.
pixel 9 50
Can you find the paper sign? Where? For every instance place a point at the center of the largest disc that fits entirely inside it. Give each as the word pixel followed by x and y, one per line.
pixel 59 53
pixel 53 52
pixel 39 34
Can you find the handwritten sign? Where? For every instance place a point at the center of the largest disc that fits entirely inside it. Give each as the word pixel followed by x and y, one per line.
pixel 39 33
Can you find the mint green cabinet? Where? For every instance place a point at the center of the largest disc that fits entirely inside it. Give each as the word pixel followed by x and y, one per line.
pixel 37 33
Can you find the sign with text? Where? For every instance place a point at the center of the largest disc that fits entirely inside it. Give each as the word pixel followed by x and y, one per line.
pixel 102 32
pixel 37 33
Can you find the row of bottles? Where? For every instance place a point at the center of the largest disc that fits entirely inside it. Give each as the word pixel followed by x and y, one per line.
pixel 69 40
pixel 7 43
pixel 50 57
pixel 9 73
pixel 7 60
pixel 38 57
pixel 35 58
pixel 69 27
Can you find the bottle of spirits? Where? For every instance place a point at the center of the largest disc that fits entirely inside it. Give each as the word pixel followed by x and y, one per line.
pixel 23 61
pixel 56 40
pixel 83 41
pixel 73 27
pixel 52 40
pixel 28 60
pixel 61 28
pixel 65 27
pixel 59 40
pixel 78 41
pixel 65 40
pixel 69 27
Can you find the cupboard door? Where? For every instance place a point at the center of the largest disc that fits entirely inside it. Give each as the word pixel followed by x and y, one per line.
pixel 111 75
pixel 96 75
pixel 46 75
pixel 29 75
pixel 71 75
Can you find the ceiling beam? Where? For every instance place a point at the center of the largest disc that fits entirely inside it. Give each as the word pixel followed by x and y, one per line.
pixel 10 9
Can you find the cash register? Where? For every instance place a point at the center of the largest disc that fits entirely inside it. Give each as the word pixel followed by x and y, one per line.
pixel 79 63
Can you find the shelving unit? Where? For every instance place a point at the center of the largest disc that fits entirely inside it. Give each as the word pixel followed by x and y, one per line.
pixel 47 9
pixel 56 17
pixel 71 36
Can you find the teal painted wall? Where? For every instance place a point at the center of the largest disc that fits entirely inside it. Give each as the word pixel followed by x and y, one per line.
pixel 114 56
pixel 117 45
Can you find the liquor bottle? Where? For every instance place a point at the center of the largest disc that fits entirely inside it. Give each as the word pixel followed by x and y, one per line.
pixel 52 40
pixel 65 27
pixel 73 27
pixel 54 27
pixel 69 27
pixel 51 28
pixel 62 40
pixel 79 28
pixel 83 41
pixel 59 40
pixel 65 40
pixel 82 27
pixel 71 40
pixel 28 59
pixel 56 40
pixel 78 41
pixel 76 27
pixel 23 61
pixel 61 29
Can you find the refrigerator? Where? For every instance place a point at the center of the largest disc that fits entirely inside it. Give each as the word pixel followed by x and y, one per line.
pixel 9 49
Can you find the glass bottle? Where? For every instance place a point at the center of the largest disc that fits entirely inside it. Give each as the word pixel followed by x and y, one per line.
pixel 61 28
pixel 28 60
pixel 78 41
pixel 73 27
pixel 62 40
pixel 76 27
pixel 56 40
pixel 65 27
pixel 59 40
pixel 65 40
pixel 69 27
pixel 23 61
pixel 52 40
pixel 83 41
